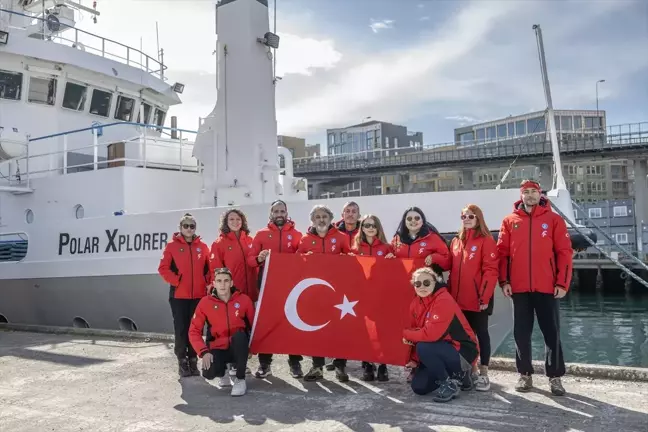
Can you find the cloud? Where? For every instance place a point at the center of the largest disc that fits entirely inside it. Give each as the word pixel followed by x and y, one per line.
pixel 464 120
pixel 424 18
pixel 376 26
pixel 305 55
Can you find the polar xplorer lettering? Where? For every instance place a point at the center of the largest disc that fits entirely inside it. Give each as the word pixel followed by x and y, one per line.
pixel 112 242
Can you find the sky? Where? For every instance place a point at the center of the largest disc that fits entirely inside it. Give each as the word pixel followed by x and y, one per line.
pixel 430 65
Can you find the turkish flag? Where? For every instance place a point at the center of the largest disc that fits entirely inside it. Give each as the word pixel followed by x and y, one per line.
pixel 339 306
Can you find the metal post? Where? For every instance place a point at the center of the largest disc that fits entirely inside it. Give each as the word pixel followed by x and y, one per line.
pixel 26 163
pixel 180 155
pixel 95 155
pixel 174 127
pixel 598 115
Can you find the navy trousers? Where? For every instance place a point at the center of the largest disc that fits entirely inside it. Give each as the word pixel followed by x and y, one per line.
pixel 437 362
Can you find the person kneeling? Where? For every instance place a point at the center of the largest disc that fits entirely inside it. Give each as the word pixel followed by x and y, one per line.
pixel 230 314
pixel 444 345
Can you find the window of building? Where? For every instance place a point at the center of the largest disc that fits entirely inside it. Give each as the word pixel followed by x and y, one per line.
pixel 575 214
pixel 620 211
pixel 395 141
pixel 536 125
pixel 595 213
pixel 331 139
pixel 42 91
pixel 467 137
pixel 10 85
pixel 481 135
pixel 621 238
pixel 490 132
pixel 578 123
pixel 594 170
pixel 566 123
pixel 511 129
pixel 100 103
pixel 147 114
pixel 592 122
pixel 501 131
pixel 600 242
pixel 557 122
pixel 74 96
pixel 520 128
pixel 124 109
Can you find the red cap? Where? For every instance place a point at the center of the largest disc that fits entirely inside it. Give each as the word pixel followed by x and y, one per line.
pixel 530 184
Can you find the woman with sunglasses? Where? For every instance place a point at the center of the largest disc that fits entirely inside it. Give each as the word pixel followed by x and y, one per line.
pixel 185 267
pixel 417 238
pixel 473 277
pixel 371 241
pixel 443 345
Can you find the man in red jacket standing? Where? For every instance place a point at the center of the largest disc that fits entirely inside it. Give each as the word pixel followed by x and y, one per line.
pixel 535 281
pixel 280 236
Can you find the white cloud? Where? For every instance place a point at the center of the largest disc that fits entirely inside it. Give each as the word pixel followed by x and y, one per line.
pixel 297 55
pixel 463 120
pixel 424 18
pixel 376 26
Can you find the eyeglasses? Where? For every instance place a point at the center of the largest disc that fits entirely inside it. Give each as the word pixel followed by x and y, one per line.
pixel 188 226
pixel 369 226
pixel 415 218
pixel 464 217
pixel 426 282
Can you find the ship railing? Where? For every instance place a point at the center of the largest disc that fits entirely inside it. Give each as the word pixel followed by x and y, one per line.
pixel 92 43
pixel 145 149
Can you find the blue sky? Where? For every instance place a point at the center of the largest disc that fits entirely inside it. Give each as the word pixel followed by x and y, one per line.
pixel 430 65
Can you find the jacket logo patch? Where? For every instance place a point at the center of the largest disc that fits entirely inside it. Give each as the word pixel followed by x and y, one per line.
pixel 181 249
pixel 421 250
pixel 471 256
pixel 197 249
pixel 215 306
pixel 313 241
pixel 269 235
pixel 289 237
pixel 544 233
pixel 289 244
pixel 236 314
pixel 567 235
pixel 212 256
pixel 435 317
pixel 474 248
pixel 379 253
pixel 493 255
pixel 333 241
pixel 250 245
pixel 515 226
pixel 237 305
pixel 333 248
pixel 229 248
pixel 428 315
pixel 545 226
pixel 423 244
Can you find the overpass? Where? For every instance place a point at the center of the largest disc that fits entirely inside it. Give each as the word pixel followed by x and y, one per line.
pixel 630 142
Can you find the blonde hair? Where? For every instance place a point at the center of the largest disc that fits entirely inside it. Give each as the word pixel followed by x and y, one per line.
pixel 188 217
pixel 428 271
pixel 480 227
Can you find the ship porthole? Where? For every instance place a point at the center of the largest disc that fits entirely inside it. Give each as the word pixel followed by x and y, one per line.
pixel 3 319
pixel 79 211
pixel 79 322
pixel 127 324
pixel 29 216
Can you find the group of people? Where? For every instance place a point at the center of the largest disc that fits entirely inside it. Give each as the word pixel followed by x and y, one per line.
pixel 531 261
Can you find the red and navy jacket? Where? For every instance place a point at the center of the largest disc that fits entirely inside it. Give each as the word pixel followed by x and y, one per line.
pixel 544 233
pixel 426 243
pixel 474 270
pixel 232 252
pixel 225 319
pixel 437 317
pixel 334 242
pixel 185 266
pixel 276 239
pixel 377 248
pixel 341 226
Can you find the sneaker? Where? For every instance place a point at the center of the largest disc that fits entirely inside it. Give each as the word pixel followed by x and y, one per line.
pixel 232 369
pixel 340 374
pixel 263 371
pixel 556 386
pixel 524 384
pixel 239 388
pixel 330 367
pixel 193 367
pixel 296 370
pixel 448 390
pixel 183 368
pixel 483 383
pixel 225 381
pixel 368 374
pixel 466 382
pixel 383 375
pixel 314 374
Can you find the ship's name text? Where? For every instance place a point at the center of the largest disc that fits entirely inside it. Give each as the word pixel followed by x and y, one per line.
pixel 115 242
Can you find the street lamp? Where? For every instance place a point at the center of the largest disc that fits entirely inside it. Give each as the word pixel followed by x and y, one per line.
pixel 598 116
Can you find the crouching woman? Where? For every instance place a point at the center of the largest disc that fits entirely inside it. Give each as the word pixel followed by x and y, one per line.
pixel 444 347
pixel 230 314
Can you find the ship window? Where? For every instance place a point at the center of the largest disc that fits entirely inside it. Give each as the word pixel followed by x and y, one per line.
pixel 124 110
pixel 42 90
pixel 10 84
pixel 100 103
pixel 29 216
pixel 79 211
pixel 147 114
pixel 75 96
pixel 13 247
pixel 158 117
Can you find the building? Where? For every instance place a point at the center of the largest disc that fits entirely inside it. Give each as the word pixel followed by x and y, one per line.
pixel 297 146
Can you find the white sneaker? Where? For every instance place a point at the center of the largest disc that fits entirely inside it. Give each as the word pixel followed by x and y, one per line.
pixel 483 383
pixel 225 381
pixel 232 370
pixel 239 388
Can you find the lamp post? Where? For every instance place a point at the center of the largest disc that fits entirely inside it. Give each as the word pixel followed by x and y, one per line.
pixel 598 116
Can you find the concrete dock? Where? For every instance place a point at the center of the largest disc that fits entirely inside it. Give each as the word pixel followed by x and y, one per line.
pixel 73 383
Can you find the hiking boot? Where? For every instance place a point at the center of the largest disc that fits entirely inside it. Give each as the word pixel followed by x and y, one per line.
pixel 239 387
pixel 340 374
pixel 483 383
pixel 225 381
pixel 466 381
pixel 314 374
pixel 524 384
pixel 263 371
pixel 183 368
pixel 368 374
pixel 448 390
pixel 193 367
pixel 383 375
pixel 556 386
pixel 296 370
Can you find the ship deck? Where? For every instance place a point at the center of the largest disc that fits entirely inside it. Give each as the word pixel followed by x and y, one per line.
pixel 73 383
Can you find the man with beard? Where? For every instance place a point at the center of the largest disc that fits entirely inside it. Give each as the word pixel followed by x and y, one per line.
pixel 280 236
pixel 323 238
pixel 350 222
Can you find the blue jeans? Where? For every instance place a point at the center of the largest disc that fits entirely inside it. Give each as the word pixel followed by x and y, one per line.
pixel 437 362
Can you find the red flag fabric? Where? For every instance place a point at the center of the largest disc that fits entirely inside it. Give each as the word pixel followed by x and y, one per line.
pixel 339 306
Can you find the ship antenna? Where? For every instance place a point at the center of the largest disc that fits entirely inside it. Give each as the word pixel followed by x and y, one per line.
pixel 274 54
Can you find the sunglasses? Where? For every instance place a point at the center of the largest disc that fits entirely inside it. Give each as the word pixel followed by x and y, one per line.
pixel 464 217
pixel 369 226
pixel 188 226
pixel 415 218
pixel 426 282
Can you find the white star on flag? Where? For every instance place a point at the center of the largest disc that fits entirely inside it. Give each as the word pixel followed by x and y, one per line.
pixel 346 307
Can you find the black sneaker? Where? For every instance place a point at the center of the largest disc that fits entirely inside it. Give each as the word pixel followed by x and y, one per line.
pixel 263 371
pixel 296 370
pixel 383 375
pixel 314 374
pixel 193 367
pixel 556 386
pixel 448 390
pixel 340 374
pixel 368 374
pixel 183 368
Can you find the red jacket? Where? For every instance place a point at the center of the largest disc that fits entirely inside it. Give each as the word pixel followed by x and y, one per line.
pixel 429 243
pixel 474 270
pixel 282 240
pixel 377 248
pixel 437 317
pixel 335 242
pixel 186 268
pixel 340 225
pixel 543 232
pixel 225 319
pixel 232 252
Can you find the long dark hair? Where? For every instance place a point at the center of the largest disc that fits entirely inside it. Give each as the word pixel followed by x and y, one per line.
pixel 403 233
pixel 224 228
